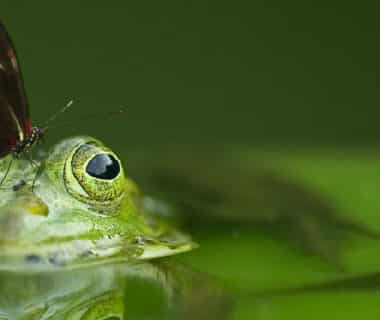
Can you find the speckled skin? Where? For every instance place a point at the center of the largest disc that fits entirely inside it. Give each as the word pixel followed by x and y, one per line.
pixel 69 219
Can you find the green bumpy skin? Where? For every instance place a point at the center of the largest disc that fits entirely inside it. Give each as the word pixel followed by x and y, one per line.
pixel 60 214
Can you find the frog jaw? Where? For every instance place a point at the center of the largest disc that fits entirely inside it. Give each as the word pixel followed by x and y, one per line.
pixel 74 239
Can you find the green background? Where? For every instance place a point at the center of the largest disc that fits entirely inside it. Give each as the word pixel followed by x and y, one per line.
pixel 204 71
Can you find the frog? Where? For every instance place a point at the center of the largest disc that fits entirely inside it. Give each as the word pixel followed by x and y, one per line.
pixel 80 209
pixel 76 208
pixel 72 210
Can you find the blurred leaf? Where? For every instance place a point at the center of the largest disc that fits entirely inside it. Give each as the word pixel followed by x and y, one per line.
pixel 253 258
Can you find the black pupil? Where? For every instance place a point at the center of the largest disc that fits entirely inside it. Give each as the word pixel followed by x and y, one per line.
pixel 103 166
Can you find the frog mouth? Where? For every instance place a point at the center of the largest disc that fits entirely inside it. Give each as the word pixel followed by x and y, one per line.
pixel 74 254
pixel 70 254
pixel 34 243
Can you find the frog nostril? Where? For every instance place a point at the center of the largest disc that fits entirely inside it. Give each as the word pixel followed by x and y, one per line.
pixel 33 258
pixel 103 166
pixel 19 185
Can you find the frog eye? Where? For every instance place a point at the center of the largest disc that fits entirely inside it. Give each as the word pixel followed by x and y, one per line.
pixel 103 166
pixel 94 174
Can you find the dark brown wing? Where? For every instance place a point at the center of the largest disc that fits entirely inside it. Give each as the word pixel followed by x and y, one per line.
pixel 14 110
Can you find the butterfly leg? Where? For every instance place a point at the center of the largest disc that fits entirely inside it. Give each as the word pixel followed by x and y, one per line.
pixel 32 162
pixel 38 173
pixel 6 171
pixel 36 165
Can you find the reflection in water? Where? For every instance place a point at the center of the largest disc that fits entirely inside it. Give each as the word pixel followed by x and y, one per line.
pixel 71 294
pixel 138 291
pixel 141 291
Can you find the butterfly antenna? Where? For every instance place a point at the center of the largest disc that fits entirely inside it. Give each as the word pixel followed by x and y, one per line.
pixel 58 113
pixel 96 116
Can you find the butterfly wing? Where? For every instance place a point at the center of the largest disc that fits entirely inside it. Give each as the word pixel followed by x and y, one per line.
pixel 14 110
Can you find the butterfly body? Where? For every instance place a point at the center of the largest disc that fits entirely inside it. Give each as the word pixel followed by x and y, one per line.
pixel 17 136
pixel 22 146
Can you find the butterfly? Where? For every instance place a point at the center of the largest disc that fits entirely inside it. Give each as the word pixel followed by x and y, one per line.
pixel 17 136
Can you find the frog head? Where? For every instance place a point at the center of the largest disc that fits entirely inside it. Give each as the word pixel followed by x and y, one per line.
pixel 77 207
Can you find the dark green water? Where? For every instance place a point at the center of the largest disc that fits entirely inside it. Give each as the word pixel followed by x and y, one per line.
pixel 241 74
